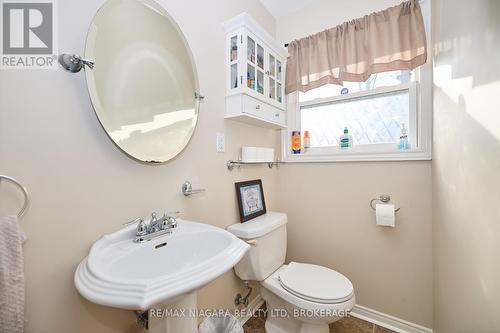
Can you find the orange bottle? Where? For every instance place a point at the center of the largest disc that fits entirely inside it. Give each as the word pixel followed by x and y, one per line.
pixel 296 142
pixel 307 140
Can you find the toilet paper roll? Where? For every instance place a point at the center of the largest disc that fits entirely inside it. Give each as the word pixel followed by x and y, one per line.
pixel 385 215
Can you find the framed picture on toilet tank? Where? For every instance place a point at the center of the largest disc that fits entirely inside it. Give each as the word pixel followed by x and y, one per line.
pixel 250 199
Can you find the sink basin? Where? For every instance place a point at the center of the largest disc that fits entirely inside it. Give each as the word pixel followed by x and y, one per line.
pixel 136 276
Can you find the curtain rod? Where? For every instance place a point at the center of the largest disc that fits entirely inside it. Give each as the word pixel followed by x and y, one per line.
pixel 419 1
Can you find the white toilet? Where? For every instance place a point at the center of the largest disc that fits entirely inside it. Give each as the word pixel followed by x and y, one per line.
pixel 301 298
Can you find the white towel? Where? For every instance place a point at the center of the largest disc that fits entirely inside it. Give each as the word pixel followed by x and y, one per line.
pixel 11 276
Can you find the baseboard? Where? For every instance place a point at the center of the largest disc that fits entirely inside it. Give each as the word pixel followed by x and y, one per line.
pixel 387 321
pixel 378 318
pixel 253 305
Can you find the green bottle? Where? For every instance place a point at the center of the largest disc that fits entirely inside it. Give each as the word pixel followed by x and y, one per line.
pixel 345 139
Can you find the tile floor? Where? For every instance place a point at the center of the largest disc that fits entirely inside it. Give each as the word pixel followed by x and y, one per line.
pixel 345 325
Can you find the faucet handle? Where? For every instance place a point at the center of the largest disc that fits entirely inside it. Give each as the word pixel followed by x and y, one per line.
pixel 142 229
pixel 139 219
pixel 171 217
pixel 165 223
pixel 172 223
pixel 153 218
pixel 168 222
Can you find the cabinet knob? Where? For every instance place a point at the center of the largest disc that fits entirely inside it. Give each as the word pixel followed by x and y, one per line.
pixel 277 115
pixel 257 107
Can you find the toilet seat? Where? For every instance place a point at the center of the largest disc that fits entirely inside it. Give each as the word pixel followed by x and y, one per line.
pixel 315 283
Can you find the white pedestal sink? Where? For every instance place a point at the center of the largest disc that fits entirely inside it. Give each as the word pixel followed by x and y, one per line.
pixel 159 323
pixel 163 273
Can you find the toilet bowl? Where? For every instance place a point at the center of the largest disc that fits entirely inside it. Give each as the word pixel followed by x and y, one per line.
pixel 300 297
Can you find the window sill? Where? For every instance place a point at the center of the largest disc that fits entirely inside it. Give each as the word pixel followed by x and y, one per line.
pixel 357 156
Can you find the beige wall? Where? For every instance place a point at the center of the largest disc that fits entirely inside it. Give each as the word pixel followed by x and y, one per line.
pixel 82 186
pixel 466 178
pixel 330 222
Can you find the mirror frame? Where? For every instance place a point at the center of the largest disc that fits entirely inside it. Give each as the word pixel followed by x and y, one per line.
pixel 89 54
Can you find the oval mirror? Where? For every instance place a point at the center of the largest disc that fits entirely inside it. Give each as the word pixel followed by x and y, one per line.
pixel 143 86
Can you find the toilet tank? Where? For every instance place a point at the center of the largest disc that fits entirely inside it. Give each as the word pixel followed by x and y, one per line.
pixel 267 236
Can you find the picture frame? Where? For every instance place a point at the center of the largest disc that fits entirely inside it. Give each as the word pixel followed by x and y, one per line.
pixel 251 202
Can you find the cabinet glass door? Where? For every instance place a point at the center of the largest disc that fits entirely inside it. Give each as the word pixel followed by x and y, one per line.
pixel 260 82
pixel 260 57
pixel 272 66
pixel 250 76
pixel 279 96
pixel 272 89
pixel 250 50
pixel 272 76
pixel 233 55
pixel 234 76
pixel 279 83
pixel 278 70
pixel 260 69
pixel 251 63
pixel 233 61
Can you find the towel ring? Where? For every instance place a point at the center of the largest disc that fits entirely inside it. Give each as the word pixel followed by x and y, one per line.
pixel 385 198
pixel 23 189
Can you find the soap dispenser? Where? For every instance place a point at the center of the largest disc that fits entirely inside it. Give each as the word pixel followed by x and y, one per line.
pixel 345 139
pixel 403 139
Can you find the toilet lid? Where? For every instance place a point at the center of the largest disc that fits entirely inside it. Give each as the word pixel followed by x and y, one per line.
pixel 316 283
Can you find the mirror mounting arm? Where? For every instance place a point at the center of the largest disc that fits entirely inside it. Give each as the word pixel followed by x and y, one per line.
pixel 74 63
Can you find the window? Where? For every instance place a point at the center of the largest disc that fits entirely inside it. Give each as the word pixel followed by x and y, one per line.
pixel 374 112
pixel 378 80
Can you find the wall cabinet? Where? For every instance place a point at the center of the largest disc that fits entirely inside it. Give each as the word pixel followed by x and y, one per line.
pixel 255 74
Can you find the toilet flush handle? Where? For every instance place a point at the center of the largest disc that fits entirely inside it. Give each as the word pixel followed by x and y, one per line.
pixel 252 241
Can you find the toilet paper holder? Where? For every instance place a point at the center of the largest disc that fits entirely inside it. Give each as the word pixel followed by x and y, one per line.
pixel 385 198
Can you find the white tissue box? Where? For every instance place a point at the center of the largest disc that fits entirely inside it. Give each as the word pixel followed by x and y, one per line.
pixel 257 154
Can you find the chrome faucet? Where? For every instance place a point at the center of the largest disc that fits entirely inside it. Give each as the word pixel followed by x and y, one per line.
pixel 157 227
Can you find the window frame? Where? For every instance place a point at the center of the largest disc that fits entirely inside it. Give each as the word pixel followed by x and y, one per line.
pixel 420 129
